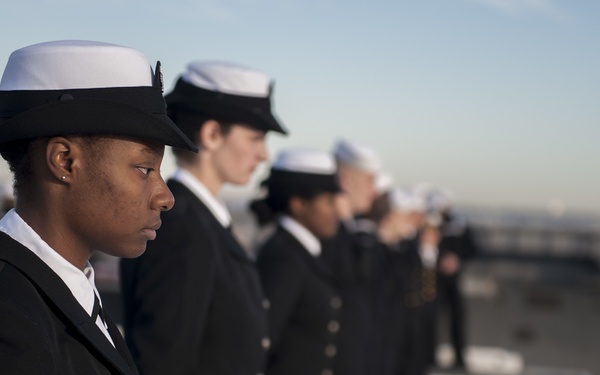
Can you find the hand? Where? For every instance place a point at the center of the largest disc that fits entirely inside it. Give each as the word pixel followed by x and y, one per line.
pixel 450 264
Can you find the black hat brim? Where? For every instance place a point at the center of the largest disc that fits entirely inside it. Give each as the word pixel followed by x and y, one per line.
pixel 89 116
pixel 253 111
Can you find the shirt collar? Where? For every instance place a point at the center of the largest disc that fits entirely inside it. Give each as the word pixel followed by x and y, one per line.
pixel 80 283
pixel 365 226
pixel 215 206
pixel 303 235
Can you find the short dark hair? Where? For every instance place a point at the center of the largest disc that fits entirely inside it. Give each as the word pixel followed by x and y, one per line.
pixel 380 208
pixel 18 155
pixel 190 123
pixel 277 201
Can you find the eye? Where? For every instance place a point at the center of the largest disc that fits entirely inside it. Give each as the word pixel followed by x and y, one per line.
pixel 145 170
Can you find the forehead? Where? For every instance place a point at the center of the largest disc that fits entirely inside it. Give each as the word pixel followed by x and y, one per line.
pixel 242 128
pixel 358 173
pixel 117 145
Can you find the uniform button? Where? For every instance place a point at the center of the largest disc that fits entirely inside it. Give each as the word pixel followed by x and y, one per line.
pixel 330 351
pixel 333 326
pixel 266 304
pixel 265 343
pixel 327 372
pixel 336 302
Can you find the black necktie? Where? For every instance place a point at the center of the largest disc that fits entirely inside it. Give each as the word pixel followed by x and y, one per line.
pixel 97 310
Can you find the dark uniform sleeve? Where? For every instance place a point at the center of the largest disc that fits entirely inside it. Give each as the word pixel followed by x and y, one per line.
pixel 170 299
pixel 469 247
pixel 282 282
pixel 24 348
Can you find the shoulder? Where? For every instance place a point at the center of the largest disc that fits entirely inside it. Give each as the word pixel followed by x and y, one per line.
pixel 21 302
pixel 281 248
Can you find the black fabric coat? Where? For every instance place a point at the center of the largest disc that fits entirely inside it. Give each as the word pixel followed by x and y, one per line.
pixel 457 239
pixel 43 329
pixel 417 301
pixel 351 258
pixel 376 274
pixel 193 301
pixel 305 309
pixel 353 343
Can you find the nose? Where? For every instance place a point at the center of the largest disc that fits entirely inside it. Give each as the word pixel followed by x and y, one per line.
pixel 163 199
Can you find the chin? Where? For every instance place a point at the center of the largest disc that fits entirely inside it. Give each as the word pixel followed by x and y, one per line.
pixel 327 234
pixel 130 252
pixel 240 180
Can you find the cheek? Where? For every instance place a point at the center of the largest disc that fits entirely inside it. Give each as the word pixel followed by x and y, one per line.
pixel 327 218
pixel 123 200
pixel 239 162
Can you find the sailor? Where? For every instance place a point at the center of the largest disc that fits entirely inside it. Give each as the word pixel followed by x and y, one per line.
pixel 305 304
pixel 384 283
pixel 83 128
pixel 418 270
pixel 193 302
pixel 349 255
pixel 456 247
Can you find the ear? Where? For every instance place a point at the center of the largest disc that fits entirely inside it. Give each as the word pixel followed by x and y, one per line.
pixel 61 156
pixel 210 135
pixel 296 206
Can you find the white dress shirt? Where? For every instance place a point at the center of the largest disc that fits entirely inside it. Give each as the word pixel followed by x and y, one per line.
pixel 80 283
pixel 215 206
pixel 303 235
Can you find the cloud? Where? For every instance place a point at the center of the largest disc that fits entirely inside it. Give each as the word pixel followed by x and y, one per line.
pixel 547 8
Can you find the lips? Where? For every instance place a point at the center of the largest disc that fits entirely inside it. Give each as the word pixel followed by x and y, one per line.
pixel 156 226
pixel 150 232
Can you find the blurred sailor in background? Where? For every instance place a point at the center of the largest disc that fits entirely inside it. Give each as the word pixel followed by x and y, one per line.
pixel 414 261
pixel 193 302
pixel 456 247
pixel 349 257
pixel 304 316
pixel 384 281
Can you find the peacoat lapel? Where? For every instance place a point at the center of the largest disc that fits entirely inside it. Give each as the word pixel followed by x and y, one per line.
pixel 317 264
pixel 58 293
pixel 203 214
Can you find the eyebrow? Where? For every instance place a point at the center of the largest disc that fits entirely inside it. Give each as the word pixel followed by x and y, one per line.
pixel 150 150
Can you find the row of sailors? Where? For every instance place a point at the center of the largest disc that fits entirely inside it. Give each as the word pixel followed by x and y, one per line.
pixel 321 296
pixel 196 303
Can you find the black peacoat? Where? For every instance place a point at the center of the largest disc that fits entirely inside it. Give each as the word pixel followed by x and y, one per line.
pixel 193 301
pixel 305 307
pixel 418 297
pixel 350 263
pixel 43 329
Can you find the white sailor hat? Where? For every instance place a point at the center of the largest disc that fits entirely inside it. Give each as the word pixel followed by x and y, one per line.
pixel 358 156
pixel 82 87
pixel 384 182
pixel 423 190
pixel 301 170
pixel 226 90
pixel 441 200
pixel 404 200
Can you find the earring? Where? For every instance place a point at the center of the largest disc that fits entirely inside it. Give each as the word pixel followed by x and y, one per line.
pixel 63 178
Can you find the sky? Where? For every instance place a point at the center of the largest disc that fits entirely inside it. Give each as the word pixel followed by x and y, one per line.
pixel 493 99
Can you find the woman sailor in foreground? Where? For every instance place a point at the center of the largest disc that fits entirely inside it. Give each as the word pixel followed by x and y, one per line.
pixel 83 129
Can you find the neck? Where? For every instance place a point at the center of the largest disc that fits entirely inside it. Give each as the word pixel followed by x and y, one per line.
pixel 204 170
pixel 52 229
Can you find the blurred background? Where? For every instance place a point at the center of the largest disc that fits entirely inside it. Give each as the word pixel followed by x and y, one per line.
pixel 493 99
